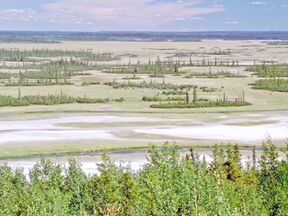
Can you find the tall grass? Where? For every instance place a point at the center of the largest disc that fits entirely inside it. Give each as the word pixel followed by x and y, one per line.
pixel 40 54
pixel 205 104
pixel 49 100
pixel 280 85
pixel 221 74
pixel 270 70
pixel 148 85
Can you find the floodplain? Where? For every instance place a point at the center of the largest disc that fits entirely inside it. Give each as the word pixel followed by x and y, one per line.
pixel 78 96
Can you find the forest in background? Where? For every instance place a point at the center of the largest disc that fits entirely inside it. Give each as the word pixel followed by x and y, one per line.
pixel 57 37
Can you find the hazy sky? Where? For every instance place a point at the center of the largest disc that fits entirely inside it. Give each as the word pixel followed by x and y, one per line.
pixel 143 15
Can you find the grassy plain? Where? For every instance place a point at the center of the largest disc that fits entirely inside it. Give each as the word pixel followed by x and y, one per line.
pixel 245 53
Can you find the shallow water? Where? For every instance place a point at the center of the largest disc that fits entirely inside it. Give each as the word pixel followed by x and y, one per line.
pixel 223 132
pixel 267 126
pixel 226 128
pixel 47 129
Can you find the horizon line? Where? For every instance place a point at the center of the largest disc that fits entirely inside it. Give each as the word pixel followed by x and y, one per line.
pixel 138 31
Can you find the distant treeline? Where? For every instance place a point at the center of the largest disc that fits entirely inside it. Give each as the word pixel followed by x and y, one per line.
pixel 56 37
pixel 18 55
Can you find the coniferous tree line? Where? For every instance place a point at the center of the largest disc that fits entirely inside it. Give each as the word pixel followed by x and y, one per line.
pixel 50 99
pixel 218 74
pixel 272 84
pixel 50 73
pixel 202 51
pixel 196 102
pixel 269 70
pixel 148 85
pixel 159 67
pixel 18 55
pixel 275 76
pixel 170 184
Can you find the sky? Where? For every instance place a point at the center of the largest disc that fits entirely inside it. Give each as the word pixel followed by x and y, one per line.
pixel 144 15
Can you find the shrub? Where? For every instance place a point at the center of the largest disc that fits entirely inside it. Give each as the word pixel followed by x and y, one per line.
pixel 280 85
pixel 169 184
pixel 206 104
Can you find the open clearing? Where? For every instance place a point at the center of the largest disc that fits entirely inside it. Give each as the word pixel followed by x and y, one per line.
pixel 132 123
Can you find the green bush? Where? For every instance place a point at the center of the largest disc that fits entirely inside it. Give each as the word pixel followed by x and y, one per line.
pixel 147 85
pixel 222 74
pixel 40 54
pixel 91 100
pixel 280 85
pixel 169 184
pixel 204 104
pixel 264 70
pixel 157 98
pixel 50 100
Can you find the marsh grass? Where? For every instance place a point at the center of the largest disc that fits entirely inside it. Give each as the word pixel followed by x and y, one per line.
pixel 157 98
pixel 269 70
pixel 222 74
pixel 35 55
pixel 276 84
pixel 147 85
pixel 201 102
pixel 50 100
pixel 206 104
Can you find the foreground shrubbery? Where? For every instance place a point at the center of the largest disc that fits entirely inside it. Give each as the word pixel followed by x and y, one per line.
pixel 168 185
